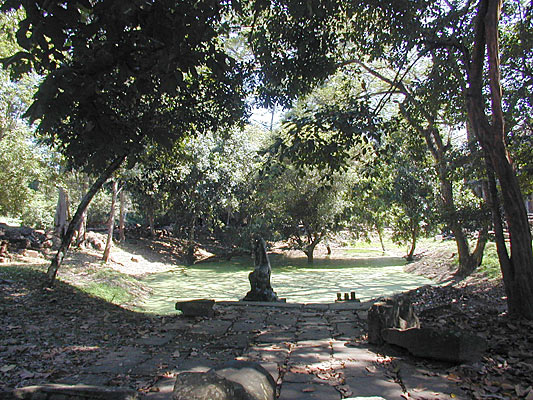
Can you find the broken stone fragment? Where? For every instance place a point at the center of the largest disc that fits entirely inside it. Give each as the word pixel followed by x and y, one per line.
pixel 396 312
pixel 442 345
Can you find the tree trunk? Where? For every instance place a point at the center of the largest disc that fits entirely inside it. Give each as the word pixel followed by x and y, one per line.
pixel 517 269
pixel 74 223
pixel 122 217
pixel 82 230
pixel 110 223
pixel 62 213
pixel 192 229
pixel 309 252
pixel 380 235
pixel 411 252
pixel 151 219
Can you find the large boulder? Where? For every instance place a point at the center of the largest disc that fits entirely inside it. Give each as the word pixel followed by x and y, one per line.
pixel 235 380
pixel 392 312
pixel 442 345
pixel 207 386
pixel 256 380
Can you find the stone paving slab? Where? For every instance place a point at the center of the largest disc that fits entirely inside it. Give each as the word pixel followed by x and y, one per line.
pixel 375 385
pixel 213 327
pixel 312 352
pixel 119 362
pixel 302 391
pixel 422 383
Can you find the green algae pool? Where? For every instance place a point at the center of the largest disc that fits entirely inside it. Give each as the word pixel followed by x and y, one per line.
pixel 292 278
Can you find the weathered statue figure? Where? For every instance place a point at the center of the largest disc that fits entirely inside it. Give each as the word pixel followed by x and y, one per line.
pixel 260 277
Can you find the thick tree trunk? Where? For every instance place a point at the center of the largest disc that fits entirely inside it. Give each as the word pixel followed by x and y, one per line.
pixel 517 269
pixel 110 223
pixel 122 217
pixel 309 252
pixel 74 223
pixel 62 213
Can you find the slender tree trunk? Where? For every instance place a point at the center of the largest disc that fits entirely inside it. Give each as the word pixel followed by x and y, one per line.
pixel 62 213
pixel 110 223
pixel 151 219
pixel 82 230
pixel 192 229
pixel 122 217
pixel 74 223
pixel 414 236
pixel 380 235
pixel 517 269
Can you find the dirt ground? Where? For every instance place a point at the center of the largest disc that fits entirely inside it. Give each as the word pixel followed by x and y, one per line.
pixel 57 335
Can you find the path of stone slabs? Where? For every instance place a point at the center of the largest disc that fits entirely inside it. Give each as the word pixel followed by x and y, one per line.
pixel 312 351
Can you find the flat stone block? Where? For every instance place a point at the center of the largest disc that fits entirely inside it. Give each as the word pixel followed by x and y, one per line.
pixel 211 327
pixel 442 345
pixel 75 392
pixel 157 340
pixel 316 306
pixel 196 308
pixel 342 352
pixel 347 331
pixel 423 384
pixel 303 391
pixel 276 337
pixel 375 385
pixel 324 333
pixel 119 362
pixel 348 306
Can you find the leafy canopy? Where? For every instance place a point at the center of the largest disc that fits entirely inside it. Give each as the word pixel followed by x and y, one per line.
pixel 121 72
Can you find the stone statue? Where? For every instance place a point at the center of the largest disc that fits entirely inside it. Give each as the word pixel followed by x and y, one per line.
pixel 260 276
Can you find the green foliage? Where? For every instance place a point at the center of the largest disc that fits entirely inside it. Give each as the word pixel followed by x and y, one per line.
pixel 491 264
pixel 120 75
pixel 204 180
pixel 301 205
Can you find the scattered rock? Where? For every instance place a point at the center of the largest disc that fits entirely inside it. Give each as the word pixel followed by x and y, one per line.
pixel 396 312
pixel 196 308
pixel 31 253
pixel 15 238
pixel 442 345
pixel 96 240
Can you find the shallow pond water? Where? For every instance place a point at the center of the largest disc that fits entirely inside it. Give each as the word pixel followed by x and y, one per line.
pixel 292 278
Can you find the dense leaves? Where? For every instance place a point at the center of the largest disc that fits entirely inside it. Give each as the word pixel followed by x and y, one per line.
pixel 118 72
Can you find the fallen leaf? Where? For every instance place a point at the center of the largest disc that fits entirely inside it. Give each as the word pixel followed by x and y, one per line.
pixel 308 389
pixel 7 368
pixel 372 369
pixel 453 378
